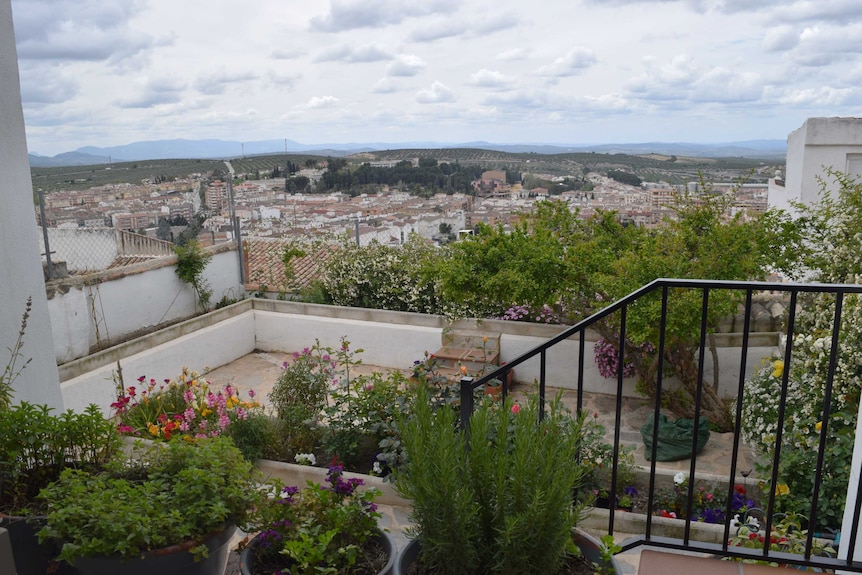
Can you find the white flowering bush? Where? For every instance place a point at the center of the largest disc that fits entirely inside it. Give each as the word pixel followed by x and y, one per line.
pixel 830 248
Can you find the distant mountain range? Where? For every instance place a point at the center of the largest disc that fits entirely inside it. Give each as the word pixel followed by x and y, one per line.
pixel 215 149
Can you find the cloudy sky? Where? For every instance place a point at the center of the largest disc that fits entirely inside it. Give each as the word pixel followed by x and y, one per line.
pixel 104 73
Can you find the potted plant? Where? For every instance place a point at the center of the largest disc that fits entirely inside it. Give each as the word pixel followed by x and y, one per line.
pixel 498 499
pixel 37 446
pixel 318 529
pixel 167 507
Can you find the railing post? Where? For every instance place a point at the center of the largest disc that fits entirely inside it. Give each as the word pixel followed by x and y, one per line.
pixel 466 402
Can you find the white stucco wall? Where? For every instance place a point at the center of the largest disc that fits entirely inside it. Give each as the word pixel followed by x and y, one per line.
pixel 818 144
pixel 108 308
pixel 21 275
pixel 385 344
pixel 208 347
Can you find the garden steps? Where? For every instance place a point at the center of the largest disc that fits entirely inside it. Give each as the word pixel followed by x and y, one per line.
pixel 477 351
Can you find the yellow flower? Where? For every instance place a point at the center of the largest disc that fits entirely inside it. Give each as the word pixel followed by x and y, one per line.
pixel 153 429
pixel 782 489
pixel 818 426
pixel 777 368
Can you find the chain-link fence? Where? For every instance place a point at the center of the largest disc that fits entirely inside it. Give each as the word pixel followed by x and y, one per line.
pixel 72 248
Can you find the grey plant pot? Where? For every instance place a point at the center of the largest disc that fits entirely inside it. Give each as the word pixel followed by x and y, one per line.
pixel 589 546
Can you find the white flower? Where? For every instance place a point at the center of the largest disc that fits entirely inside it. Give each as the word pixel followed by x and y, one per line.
pixel 679 478
pixel 376 469
pixel 305 458
pixel 734 523
pixel 753 522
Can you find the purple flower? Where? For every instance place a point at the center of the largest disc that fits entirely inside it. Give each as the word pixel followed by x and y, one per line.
pixel 630 490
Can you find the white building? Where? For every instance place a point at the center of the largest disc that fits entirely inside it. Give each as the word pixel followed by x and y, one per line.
pixel 820 144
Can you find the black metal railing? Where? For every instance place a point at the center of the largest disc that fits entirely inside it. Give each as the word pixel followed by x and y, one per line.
pixel 687 542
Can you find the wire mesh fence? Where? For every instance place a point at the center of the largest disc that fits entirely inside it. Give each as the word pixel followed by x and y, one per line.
pixel 73 248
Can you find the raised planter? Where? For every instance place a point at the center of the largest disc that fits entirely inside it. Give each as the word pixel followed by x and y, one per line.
pixel 300 475
pixel 247 557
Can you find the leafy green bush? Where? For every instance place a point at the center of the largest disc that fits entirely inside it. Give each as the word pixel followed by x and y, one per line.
pixel 36 446
pixel 361 413
pixel 164 494
pixel 299 397
pixel 500 502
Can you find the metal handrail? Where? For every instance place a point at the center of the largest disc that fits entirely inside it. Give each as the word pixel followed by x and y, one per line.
pixel 664 285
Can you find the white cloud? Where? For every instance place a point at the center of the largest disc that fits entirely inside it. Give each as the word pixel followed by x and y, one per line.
pixel 512 54
pixel 406 65
pixel 384 86
pixel 351 54
pixel 353 14
pixel 780 38
pixel 491 79
pixel 287 53
pixel 574 62
pixel 436 94
pixel 322 102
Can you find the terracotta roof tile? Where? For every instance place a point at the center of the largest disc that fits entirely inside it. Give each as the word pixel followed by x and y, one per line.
pixel 264 265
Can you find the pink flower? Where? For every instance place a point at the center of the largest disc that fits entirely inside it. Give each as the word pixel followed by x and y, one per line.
pixel 516 408
pixel 251 393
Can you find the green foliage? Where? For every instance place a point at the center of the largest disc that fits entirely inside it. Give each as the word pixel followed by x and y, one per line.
pixel 192 260
pixel 494 269
pixel 13 369
pixel 363 412
pixel 318 529
pixel 624 177
pixel 162 495
pixel 826 239
pixel 36 446
pixel 384 277
pixel 501 502
pixel 299 397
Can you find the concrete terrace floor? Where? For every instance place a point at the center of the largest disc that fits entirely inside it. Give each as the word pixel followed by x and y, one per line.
pixel 259 371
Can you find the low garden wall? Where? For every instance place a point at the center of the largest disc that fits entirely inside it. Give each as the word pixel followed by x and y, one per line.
pixel 389 339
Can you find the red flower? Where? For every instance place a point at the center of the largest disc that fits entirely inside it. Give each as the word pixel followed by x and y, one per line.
pixel 670 514
pixel 739 489
pixel 516 408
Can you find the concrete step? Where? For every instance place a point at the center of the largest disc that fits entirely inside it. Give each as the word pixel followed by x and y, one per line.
pixel 475 360
pixel 471 338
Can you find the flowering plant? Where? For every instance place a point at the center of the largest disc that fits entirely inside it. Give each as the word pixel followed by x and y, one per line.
pixel 787 535
pixel 607 357
pixel 709 503
pixel 185 406
pixel 317 529
pixel 543 314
